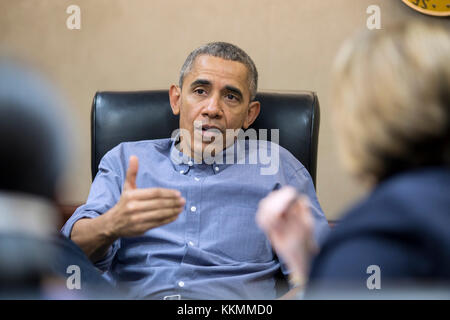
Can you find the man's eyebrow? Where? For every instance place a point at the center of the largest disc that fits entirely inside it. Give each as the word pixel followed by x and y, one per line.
pixel 205 82
pixel 234 90
pixel 200 82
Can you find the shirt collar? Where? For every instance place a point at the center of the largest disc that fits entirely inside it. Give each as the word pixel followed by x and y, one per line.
pixel 183 163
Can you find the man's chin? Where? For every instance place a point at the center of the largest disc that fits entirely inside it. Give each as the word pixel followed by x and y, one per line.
pixel 207 149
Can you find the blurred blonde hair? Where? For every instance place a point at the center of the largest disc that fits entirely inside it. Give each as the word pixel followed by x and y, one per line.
pixel 392 100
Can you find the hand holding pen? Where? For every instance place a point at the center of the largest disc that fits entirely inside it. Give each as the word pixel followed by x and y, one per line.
pixel 285 217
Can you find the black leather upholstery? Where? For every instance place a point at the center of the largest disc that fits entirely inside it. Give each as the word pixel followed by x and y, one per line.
pixel 130 116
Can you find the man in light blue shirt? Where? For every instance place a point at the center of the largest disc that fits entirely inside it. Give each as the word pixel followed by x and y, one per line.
pixel 175 218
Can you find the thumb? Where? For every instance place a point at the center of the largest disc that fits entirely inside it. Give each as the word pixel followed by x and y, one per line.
pixel 130 180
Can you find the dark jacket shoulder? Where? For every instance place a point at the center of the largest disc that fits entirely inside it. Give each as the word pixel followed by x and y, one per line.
pixel 402 227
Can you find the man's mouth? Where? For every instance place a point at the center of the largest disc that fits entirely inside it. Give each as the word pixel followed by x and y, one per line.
pixel 209 131
pixel 206 127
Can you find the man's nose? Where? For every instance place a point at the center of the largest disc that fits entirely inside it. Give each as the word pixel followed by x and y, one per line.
pixel 213 109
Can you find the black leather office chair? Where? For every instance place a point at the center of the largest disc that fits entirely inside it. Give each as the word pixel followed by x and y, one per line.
pixel 130 116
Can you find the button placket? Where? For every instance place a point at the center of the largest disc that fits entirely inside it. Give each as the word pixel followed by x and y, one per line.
pixel 191 239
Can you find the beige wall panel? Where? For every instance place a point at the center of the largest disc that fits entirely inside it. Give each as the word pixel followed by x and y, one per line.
pixel 141 44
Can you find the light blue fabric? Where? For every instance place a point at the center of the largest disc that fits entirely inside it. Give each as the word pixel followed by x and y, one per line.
pixel 214 250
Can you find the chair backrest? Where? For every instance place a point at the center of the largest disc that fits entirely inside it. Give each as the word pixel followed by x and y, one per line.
pixel 142 115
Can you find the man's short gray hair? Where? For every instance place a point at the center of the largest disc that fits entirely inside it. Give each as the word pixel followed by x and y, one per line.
pixel 225 51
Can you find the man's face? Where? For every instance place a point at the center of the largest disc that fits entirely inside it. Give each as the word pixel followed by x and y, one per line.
pixel 216 96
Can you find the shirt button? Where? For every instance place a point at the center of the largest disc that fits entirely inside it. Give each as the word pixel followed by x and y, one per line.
pixel 191 243
pixel 181 284
pixel 193 209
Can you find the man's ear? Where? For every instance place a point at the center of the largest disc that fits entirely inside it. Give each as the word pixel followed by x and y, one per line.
pixel 252 113
pixel 175 99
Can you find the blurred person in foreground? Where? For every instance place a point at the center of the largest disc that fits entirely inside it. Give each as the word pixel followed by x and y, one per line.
pixel 35 260
pixel 392 118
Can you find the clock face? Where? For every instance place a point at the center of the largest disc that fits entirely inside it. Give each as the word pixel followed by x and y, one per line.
pixel 431 7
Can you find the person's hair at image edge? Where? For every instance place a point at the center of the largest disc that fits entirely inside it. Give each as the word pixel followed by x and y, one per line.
pixel 391 100
pixel 226 51
pixel 32 130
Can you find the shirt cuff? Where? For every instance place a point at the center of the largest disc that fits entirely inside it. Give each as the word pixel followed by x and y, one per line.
pixel 66 230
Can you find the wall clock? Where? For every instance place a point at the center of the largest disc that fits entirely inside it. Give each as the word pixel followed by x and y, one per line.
pixel 430 7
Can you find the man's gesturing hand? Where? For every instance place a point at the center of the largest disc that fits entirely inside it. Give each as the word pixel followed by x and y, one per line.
pixel 139 210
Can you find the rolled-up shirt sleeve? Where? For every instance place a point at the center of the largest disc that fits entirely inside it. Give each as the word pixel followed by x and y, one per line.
pixel 104 194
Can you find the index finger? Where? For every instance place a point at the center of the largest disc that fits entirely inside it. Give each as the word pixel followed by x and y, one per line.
pixel 152 193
